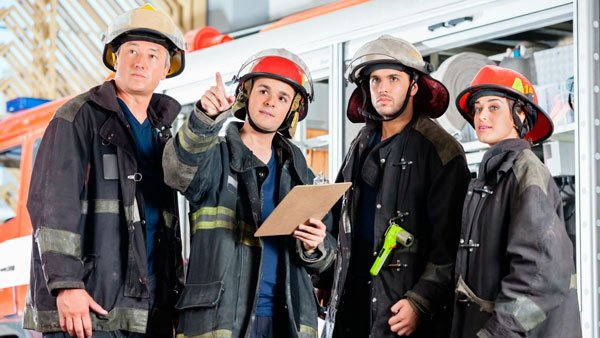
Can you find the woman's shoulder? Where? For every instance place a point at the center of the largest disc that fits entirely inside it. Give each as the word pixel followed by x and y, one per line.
pixel 530 171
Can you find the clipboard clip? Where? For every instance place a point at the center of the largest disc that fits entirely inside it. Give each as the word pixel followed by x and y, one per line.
pixel 320 179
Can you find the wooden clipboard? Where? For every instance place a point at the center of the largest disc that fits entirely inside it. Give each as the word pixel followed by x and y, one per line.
pixel 300 204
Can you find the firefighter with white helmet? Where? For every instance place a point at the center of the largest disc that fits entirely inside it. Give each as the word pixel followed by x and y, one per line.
pixel 405 171
pixel 107 254
pixel 514 269
pixel 239 285
pixel 145 23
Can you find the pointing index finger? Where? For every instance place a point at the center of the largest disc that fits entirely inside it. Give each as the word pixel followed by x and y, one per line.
pixel 219 80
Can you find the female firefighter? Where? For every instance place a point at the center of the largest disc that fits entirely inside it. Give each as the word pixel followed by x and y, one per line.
pixel 514 269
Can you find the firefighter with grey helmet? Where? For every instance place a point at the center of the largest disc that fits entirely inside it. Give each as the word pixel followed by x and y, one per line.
pixel 406 171
pixel 106 258
pixel 256 286
pixel 515 275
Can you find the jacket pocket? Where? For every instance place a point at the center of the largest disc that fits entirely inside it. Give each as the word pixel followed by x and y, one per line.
pixel 200 295
pixel 198 308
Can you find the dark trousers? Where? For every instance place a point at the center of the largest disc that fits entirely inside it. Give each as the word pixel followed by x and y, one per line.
pixel 271 327
pixel 263 328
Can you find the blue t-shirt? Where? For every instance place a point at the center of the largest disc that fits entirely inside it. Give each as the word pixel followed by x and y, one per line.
pixel 149 165
pixel 271 246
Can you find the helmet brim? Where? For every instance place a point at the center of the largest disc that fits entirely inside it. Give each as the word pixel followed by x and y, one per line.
pixel 432 99
pixel 177 56
pixel 541 131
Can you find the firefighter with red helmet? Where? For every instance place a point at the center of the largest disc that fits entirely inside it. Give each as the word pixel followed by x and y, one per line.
pixel 514 268
pixel 239 285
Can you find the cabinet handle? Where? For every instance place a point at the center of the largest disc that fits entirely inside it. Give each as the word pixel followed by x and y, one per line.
pixel 450 23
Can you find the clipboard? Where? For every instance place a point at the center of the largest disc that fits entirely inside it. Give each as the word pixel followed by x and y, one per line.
pixel 300 204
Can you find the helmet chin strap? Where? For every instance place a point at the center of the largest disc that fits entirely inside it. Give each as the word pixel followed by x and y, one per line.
pixel 379 117
pixel 256 127
pixel 403 108
pixel 522 128
pixel 282 127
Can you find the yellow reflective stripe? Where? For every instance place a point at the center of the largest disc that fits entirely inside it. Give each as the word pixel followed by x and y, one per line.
pixel 573 284
pixel 100 206
pixel 213 225
pixel 212 211
pixel 307 331
pixel 211 334
pixel 213 217
pixel 193 143
pixel 59 241
pixel 208 218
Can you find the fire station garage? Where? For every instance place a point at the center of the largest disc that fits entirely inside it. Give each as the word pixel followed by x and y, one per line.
pixel 52 51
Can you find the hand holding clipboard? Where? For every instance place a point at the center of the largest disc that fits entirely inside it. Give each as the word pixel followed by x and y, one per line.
pixel 302 203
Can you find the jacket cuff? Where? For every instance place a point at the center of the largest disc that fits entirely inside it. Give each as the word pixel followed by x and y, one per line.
pixel 483 333
pixel 55 287
pixel 311 256
pixel 419 303
pixel 210 121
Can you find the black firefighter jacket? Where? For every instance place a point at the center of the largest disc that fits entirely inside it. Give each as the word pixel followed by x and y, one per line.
pixel 422 173
pixel 514 268
pixel 87 218
pixel 220 177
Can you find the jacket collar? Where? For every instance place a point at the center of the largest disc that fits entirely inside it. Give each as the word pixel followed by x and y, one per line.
pixel 162 111
pixel 369 163
pixel 498 160
pixel 242 159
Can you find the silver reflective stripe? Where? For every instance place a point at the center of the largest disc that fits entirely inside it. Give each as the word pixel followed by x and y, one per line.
pixel 100 206
pixel 59 241
pixel 524 310
pixel 346 217
pixel 132 212
pixel 211 334
pixel 128 319
pixel 232 181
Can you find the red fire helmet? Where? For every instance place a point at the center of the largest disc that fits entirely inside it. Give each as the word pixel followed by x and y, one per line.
pixel 515 86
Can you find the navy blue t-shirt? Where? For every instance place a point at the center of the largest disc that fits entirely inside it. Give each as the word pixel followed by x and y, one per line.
pixel 149 165
pixel 271 246
pixel 366 217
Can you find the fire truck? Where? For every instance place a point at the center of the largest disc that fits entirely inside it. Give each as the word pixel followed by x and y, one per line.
pixel 19 139
pixel 565 34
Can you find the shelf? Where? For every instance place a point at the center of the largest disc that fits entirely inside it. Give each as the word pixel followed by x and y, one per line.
pixel 565 132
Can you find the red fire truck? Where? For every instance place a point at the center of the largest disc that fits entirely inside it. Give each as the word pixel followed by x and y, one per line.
pixel 20 136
